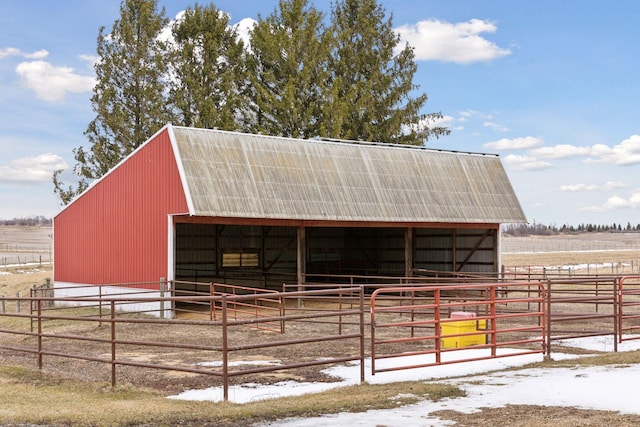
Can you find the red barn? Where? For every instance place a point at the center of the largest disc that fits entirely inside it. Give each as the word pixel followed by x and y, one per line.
pixel 201 205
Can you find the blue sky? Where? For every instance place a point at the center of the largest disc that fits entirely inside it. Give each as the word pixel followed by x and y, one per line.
pixel 550 86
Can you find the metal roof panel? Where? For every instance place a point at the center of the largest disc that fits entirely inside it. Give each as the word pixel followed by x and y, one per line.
pixel 232 174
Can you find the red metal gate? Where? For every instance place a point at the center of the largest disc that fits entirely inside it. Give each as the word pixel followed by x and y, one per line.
pixel 438 322
pixel 628 308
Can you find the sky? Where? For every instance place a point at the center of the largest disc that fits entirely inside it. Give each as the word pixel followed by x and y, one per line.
pixel 552 87
pixel 487 384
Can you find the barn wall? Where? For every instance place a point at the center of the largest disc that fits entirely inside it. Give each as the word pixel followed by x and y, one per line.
pixel 200 249
pixel 116 232
pixel 358 251
pixel 461 250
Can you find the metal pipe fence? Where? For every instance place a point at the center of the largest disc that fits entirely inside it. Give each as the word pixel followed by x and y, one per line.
pixel 580 308
pixel 209 340
pixel 227 322
pixel 490 316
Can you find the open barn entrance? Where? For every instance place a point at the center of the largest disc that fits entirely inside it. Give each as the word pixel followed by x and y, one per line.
pixel 245 255
pixel 266 256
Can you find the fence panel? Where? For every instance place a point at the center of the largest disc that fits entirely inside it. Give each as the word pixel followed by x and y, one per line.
pixel 95 330
pixel 444 320
pixel 629 308
pixel 580 308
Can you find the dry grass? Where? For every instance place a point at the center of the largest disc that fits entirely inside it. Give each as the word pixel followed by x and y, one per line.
pixel 571 258
pixel 16 280
pixel 35 397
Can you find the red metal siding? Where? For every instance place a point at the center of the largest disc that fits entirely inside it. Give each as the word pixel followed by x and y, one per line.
pixel 117 231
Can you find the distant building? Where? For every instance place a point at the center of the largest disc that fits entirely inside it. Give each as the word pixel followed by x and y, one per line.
pixel 205 205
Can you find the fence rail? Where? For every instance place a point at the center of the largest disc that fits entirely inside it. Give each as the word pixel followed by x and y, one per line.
pixel 228 322
pixel 110 345
pixel 584 307
pixel 491 316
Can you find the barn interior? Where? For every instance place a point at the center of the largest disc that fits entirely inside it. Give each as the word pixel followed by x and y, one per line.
pixel 267 256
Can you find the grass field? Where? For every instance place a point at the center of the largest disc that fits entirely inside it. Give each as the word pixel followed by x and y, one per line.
pixel 592 253
pixel 20 245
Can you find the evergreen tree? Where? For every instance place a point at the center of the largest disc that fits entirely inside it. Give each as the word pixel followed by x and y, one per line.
pixel 208 69
pixel 370 95
pixel 129 98
pixel 288 64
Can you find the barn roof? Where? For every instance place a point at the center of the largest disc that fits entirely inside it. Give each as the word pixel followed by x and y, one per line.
pixel 229 174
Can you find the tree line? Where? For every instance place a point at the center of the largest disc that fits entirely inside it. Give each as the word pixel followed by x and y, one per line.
pixel 547 230
pixel 28 221
pixel 302 74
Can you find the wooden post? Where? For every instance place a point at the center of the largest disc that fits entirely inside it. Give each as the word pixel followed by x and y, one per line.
pixel 163 285
pixel 408 251
pixel 301 261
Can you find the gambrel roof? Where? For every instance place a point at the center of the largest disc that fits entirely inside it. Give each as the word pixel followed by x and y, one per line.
pixel 230 174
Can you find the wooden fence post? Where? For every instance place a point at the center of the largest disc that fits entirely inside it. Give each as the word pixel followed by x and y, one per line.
pixel 163 285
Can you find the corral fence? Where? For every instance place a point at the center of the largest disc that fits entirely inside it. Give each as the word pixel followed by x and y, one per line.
pixel 112 337
pixel 490 316
pixel 25 259
pixel 582 307
pixel 616 268
pixel 315 325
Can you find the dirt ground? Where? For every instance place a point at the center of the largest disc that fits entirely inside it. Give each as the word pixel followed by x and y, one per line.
pixel 13 280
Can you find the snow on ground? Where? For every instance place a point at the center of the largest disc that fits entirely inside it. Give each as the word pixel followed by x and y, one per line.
pixel 486 383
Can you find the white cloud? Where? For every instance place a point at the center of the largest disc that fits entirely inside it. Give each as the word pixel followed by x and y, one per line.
pixel 52 83
pixel 517 162
pixel 523 143
pixel 470 114
pixel 38 169
pixel 444 41
pixel 561 151
pixel 91 59
pixel 625 153
pixel 444 121
pixel 612 203
pixel 610 185
pixel 12 51
pixel 9 51
pixel 495 126
pixel 40 54
pixel 617 202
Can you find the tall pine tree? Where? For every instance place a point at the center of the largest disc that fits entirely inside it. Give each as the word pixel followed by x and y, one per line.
pixel 370 95
pixel 288 66
pixel 209 71
pixel 129 99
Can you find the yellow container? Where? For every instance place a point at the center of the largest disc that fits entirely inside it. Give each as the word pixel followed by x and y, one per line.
pixel 462 327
